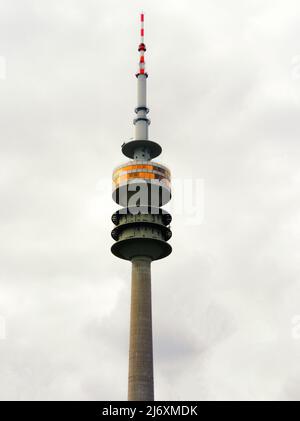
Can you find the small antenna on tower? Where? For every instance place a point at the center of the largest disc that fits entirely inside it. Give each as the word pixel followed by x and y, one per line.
pixel 142 27
pixel 142 47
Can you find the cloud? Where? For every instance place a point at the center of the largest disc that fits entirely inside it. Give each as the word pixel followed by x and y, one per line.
pixel 224 103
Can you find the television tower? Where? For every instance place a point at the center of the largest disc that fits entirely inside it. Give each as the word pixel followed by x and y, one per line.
pixel 141 186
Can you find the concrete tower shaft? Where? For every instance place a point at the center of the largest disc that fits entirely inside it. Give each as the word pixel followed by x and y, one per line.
pixel 140 375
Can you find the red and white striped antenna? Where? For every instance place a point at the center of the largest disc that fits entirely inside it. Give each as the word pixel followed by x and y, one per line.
pixel 142 48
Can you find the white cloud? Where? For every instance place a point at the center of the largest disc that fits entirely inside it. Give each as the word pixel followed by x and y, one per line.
pixel 224 104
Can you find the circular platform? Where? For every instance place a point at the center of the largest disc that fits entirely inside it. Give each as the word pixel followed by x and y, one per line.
pixel 141 182
pixel 121 215
pixel 153 148
pixel 127 249
pixel 137 226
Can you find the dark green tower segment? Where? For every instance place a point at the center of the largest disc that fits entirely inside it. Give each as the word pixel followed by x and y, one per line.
pixel 141 233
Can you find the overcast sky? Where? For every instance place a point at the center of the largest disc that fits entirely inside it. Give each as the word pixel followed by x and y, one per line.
pixel 224 97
